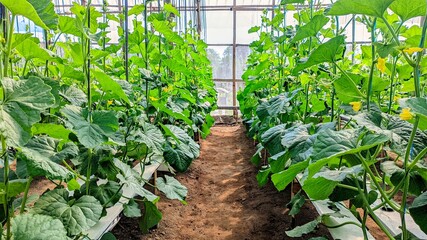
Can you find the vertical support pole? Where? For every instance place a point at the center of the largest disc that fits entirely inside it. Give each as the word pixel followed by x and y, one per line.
pixel 235 114
pixel 126 45
pixel 353 38
pixel 199 20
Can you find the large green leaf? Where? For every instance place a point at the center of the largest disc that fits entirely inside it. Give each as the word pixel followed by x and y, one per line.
pixel 37 227
pixel 275 105
pixel 43 158
pixel 304 229
pixel 46 11
pixel 110 85
pixel 15 188
pixel 418 211
pixel 68 25
pixel 107 194
pixel 417 105
pixel 131 179
pixel 311 29
pixel 29 50
pixel 272 138
pixel 73 95
pixel 53 130
pixel 180 149
pixel 282 179
pixel 77 215
pixel 151 217
pixel 319 188
pixel 164 28
pixel 409 9
pixel 23 101
pixel 131 209
pixel 93 133
pixel 375 8
pixel 151 136
pixel 172 188
pixel 41 12
pixel 326 52
pixel 330 144
pixel 346 88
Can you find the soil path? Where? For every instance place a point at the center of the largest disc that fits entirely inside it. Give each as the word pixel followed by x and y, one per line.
pixel 224 200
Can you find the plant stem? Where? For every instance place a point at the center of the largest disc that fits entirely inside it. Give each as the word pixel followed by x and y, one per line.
pixel 371 73
pixel 25 197
pixel 393 75
pixel 6 184
pixel 11 23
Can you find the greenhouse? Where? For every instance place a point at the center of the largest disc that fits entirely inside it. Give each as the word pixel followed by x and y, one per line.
pixel 213 119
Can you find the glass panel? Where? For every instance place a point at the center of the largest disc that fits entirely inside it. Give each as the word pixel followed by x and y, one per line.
pixel 219 27
pixel 222 61
pixel 245 20
pixel 242 53
pixel 225 93
pixel 256 2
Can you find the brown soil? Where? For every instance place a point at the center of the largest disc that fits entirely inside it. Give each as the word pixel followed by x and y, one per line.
pixel 224 200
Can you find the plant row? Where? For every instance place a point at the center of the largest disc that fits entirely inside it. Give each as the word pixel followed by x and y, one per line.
pixel 77 107
pixel 352 123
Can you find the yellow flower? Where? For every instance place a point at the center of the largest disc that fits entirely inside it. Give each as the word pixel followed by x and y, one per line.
pixel 412 50
pixel 168 88
pixel 153 98
pixel 406 114
pixel 286 72
pixel 396 97
pixel 109 102
pixel 356 106
pixel 381 65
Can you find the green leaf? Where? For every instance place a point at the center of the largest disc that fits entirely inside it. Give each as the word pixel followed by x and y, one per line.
pixel 110 85
pixel 319 188
pixel 137 9
pixel 91 134
pixel 180 149
pixel 164 28
pixel 53 130
pixel 172 188
pixel 282 179
pixel 23 101
pixel 296 203
pixel 262 176
pixel 409 9
pixel 418 211
pixel 271 139
pixel 73 185
pixel 30 50
pixel 77 215
pixel 340 175
pixel 36 227
pixel 276 105
pixel 46 11
pixel 346 88
pixel 151 217
pixel 417 105
pixel 15 188
pixel 171 9
pixel 304 229
pixel 131 179
pixel 73 95
pixel 151 136
pixel 43 158
pixel 311 29
pixel 331 144
pixel 375 8
pixel 68 25
pixel 326 52
pixel 131 209
pixel 254 29
pixel 107 194
pixel 27 8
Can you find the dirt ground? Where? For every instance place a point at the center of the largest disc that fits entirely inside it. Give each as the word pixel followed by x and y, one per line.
pixel 224 200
